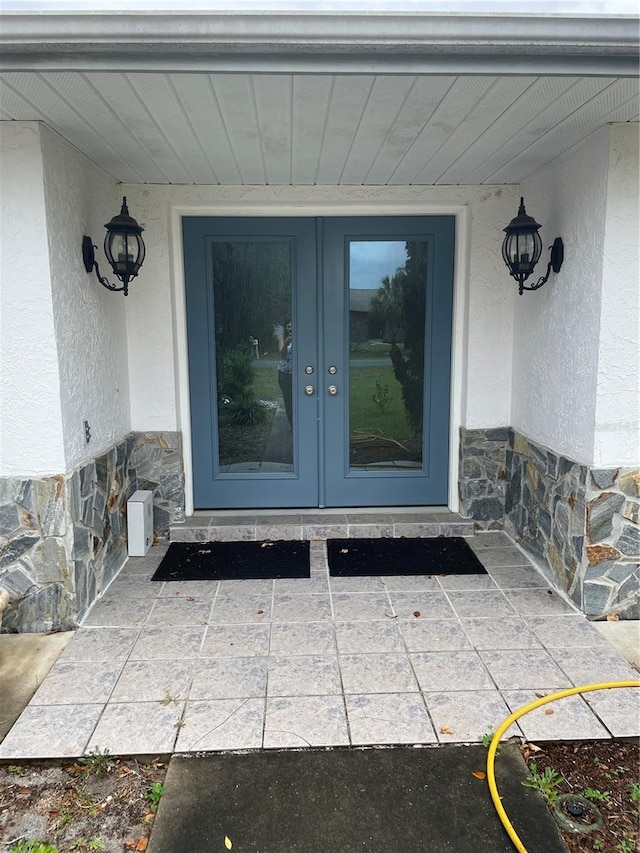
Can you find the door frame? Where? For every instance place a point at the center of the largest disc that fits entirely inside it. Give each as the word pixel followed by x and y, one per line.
pixel 325 206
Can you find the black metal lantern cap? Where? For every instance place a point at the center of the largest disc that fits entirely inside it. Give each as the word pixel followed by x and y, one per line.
pixel 123 246
pixel 522 247
pixel 124 222
pixel 522 222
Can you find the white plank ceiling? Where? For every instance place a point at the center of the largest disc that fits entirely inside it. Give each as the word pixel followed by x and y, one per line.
pixel 217 128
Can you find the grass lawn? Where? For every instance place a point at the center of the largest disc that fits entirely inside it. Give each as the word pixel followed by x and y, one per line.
pixel 265 383
pixel 388 420
pixel 370 349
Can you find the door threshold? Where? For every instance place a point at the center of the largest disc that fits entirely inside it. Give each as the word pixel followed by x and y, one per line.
pixel 335 523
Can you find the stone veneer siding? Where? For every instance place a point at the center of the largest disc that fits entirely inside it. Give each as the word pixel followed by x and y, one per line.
pixel 63 538
pixel 483 485
pixel 580 524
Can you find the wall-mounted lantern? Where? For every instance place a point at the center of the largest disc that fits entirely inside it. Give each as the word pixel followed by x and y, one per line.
pixel 522 247
pixel 123 246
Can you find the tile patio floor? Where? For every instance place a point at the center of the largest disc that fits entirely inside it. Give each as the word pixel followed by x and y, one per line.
pixel 160 668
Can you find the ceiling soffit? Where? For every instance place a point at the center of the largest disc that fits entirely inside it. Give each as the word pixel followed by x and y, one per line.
pixel 319 99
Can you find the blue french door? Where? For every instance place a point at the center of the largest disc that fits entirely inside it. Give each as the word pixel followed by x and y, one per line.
pixel 319 360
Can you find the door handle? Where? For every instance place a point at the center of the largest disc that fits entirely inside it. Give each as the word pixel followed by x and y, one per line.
pixel 308 390
pixel 333 390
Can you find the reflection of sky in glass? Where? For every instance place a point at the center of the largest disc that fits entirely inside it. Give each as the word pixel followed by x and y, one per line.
pixel 371 260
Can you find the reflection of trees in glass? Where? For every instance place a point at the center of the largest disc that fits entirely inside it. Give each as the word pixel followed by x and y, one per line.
pixel 386 307
pixel 400 301
pixel 251 291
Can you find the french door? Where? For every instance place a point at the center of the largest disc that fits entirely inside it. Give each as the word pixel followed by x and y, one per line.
pixel 319 360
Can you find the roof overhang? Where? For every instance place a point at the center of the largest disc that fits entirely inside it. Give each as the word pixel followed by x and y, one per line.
pixel 327 42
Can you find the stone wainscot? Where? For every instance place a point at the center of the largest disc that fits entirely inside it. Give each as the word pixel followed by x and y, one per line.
pixel 63 538
pixel 581 525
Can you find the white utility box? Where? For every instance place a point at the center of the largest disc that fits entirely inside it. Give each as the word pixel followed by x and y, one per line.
pixel 140 522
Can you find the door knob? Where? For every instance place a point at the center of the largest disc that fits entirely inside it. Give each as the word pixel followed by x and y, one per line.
pixel 308 390
pixel 333 390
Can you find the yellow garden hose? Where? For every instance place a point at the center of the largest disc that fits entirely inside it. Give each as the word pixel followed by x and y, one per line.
pixel 605 685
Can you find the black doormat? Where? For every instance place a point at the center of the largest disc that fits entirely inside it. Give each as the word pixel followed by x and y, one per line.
pixel 220 561
pixel 441 556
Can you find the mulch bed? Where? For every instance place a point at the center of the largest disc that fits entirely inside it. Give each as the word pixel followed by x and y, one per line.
pixel 607 773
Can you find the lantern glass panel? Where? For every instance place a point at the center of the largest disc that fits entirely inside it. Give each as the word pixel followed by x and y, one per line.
pixel 522 251
pixel 125 252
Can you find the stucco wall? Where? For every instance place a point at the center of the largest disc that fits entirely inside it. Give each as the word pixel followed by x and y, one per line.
pixel 31 440
pixel 617 426
pixel 488 309
pixel 557 328
pixel 90 324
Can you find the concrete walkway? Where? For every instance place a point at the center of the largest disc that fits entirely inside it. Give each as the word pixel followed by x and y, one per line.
pixel 348 801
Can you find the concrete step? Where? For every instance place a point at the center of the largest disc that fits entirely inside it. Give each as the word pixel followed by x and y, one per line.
pixel 232 525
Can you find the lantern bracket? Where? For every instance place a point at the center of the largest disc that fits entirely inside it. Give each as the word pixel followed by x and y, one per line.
pixel 555 263
pixel 90 263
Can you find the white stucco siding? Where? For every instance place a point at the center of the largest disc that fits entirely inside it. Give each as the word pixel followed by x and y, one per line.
pixel 557 328
pixel 90 323
pixel 31 439
pixel 617 426
pixel 487 395
pixel 151 325
pixel 156 333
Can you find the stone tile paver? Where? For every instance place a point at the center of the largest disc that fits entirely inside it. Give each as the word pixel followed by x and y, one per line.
pixel 51 731
pixel 388 718
pixel 377 673
pixel 521 669
pixel 152 671
pixel 222 724
pixel 508 632
pixel 303 675
pixel 143 728
pixel 78 683
pixel 563 719
pixel 464 716
pixel 297 721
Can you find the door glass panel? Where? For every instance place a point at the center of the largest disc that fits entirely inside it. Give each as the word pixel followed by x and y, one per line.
pixel 252 292
pixel 387 319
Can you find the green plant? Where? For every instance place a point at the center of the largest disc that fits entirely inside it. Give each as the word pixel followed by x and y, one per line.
pixel 486 738
pixel 87 844
pixel 65 818
pixel 381 397
pixel 247 411
pixel 598 844
pixel 154 794
pixel 99 762
pixel 595 794
pixel 14 768
pixel 234 373
pixel 612 772
pixel 626 844
pixel 31 845
pixel 168 699
pixel 634 792
pixel 86 802
pixel 546 782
